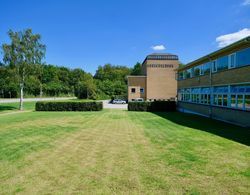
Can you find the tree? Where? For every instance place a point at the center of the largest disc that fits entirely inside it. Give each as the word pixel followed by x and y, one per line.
pixel 137 69
pixel 112 73
pixel 181 65
pixel 86 88
pixel 23 54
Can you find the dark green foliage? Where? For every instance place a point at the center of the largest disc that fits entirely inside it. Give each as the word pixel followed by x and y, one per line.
pixel 69 106
pixel 137 70
pixel 43 79
pixel 112 80
pixel 156 106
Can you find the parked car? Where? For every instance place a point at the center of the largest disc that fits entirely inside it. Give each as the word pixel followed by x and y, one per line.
pixel 138 100
pixel 119 101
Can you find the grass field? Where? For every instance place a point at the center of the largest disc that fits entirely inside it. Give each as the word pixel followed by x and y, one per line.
pixel 116 151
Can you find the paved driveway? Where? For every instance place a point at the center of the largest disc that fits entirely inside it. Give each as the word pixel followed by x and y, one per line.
pixel 106 104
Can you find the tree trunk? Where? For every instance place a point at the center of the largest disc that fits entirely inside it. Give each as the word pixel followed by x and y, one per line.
pixel 21 97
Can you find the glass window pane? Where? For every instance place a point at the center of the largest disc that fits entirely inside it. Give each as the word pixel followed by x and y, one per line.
pixel 233 101
pixel 240 101
pixel 214 66
pixel 224 100
pixel 215 100
pixel 222 63
pixel 202 98
pixel 220 100
pixel 232 61
pixel 247 102
pixel 197 70
pixel 208 99
pixel 243 57
pixel 206 68
pixel 198 98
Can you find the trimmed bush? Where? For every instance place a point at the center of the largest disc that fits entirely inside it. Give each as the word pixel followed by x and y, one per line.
pixel 156 106
pixel 69 106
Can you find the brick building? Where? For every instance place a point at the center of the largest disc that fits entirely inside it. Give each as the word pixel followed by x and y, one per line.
pixel 218 84
pixel 158 79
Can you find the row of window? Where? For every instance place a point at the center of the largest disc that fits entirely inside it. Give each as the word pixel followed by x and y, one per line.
pixel 160 65
pixel 237 59
pixel 237 96
pixel 133 90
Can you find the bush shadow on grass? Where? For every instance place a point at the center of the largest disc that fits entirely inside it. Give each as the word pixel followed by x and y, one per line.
pixel 5 108
pixel 219 128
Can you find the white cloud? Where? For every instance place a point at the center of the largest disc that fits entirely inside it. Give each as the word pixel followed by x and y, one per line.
pixel 246 2
pixel 227 39
pixel 158 47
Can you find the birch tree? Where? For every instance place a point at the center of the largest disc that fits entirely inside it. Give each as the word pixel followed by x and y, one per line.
pixel 24 54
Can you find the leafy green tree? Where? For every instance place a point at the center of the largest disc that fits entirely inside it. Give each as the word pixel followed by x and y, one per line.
pixel 111 81
pixel 86 88
pixel 137 69
pixel 112 73
pixel 23 54
pixel 181 65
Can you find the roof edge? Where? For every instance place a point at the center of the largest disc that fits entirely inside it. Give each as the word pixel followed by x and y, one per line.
pixel 237 43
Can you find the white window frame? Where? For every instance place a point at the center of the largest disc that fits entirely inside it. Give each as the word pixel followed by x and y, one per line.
pixel 230 61
pixel 141 90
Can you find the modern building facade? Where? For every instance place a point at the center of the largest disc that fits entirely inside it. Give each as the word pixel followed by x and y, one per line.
pixel 158 79
pixel 218 84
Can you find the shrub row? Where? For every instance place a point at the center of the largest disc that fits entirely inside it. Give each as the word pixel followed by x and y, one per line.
pixel 69 106
pixel 156 106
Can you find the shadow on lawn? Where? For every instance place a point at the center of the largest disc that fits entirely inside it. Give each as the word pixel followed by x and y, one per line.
pixel 229 131
pixel 4 108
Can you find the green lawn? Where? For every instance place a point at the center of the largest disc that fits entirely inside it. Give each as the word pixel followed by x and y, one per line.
pixel 116 151
pixel 6 107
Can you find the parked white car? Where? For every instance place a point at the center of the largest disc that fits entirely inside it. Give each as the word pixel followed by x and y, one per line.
pixel 119 101
pixel 138 100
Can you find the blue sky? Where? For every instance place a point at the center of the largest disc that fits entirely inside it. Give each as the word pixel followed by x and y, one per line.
pixel 88 33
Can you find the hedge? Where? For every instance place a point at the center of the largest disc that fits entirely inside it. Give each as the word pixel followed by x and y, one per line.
pixel 156 106
pixel 69 106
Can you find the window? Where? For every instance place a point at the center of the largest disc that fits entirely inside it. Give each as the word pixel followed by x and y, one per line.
pixel 233 101
pixel 232 61
pixel 215 100
pixel 180 76
pixel 214 66
pixel 219 103
pixel 208 99
pixel 192 72
pixel 206 68
pixel 240 96
pixel 202 70
pixel 141 90
pixel 247 102
pixel 222 63
pixel 243 57
pixel 220 96
pixel 132 90
pixel 240 101
pixel 187 73
pixel 224 100
pixel 197 71
pixel 205 94
pixel 195 94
